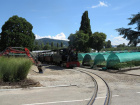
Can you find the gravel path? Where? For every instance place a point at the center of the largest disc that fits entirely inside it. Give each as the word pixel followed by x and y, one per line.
pixel 124 85
pixel 56 76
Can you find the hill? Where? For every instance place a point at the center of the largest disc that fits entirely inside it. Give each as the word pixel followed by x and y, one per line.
pixel 55 41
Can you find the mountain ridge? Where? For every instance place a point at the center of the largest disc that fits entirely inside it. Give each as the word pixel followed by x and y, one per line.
pixel 49 40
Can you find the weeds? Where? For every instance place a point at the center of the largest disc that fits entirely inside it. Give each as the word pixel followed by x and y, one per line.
pixel 14 69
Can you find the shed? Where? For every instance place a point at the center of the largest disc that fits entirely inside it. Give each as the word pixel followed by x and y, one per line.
pixel 89 59
pixel 101 59
pixel 116 58
pixel 81 56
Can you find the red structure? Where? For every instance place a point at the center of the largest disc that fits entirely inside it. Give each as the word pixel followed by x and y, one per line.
pixel 19 51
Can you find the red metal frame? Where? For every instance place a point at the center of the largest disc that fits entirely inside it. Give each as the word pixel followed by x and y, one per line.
pixel 13 50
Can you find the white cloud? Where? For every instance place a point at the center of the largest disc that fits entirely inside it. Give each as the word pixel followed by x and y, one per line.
pixel 118 40
pixel 60 36
pixel 101 4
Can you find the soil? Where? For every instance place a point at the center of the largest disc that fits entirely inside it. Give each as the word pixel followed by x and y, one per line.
pixel 56 76
pixel 52 76
pixel 20 84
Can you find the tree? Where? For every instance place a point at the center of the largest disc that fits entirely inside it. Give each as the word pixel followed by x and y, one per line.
pixel 47 46
pixel 85 24
pixel 42 46
pixel 72 39
pixel 78 41
pixel 61 44
pixel 97 40
pixel 52 45
pixel 17 32
pixel 121 45
pixel 57 45
pixel 0 43
pixel 108 44
pixel 36 46
pixel 128 33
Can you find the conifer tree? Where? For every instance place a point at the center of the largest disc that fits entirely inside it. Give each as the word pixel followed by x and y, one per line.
pixel 85 24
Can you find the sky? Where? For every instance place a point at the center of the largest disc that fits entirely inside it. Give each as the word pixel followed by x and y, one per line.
pixel 57 19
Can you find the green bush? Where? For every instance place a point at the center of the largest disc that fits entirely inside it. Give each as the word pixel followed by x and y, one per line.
pixel 126 64
pixel 14 69
pixel 101 64
pixel 120 65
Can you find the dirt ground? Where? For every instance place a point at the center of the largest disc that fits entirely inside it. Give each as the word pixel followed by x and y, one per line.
pixel 56 76
pixel 52 76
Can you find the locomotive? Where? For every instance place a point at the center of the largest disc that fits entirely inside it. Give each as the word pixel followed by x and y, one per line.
pixel 65 57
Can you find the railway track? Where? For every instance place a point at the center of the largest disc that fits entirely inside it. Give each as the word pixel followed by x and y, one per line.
pixel 102 94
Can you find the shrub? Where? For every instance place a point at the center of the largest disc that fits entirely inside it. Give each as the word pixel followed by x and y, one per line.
pixel 91 63
pixel 120 65
pixel 14 69
pixel 126 64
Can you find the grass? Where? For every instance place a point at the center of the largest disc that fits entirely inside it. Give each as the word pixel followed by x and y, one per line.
pixel 14 69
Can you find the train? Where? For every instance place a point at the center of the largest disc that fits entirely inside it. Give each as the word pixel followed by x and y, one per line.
pixel 66 57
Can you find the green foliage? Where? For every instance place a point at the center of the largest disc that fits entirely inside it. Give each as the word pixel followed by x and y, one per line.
pixel 91 62
pixel 14 69
pixel 135 20
pixel 85 27
pixel 52 45
pixel 101 64
pixel 36 46
pixel 108 44
pixel 120 48
pixel 120 65
pixel 47 47
pixel 79 41
pixel 85 24
pixel 61 44
pixel 42 45
pixel 97 41
pixel 48 40
pixel 0 42
pixel 57 45
pixel 72 39
pixel 126 64
pixel 128 33
pixel 17 32
pixel 121 45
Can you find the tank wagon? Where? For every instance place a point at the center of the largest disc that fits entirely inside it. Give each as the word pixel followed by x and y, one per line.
pixel 45 56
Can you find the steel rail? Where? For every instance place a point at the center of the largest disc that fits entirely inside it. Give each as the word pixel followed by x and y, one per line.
pixel 96 90
pixel 108 94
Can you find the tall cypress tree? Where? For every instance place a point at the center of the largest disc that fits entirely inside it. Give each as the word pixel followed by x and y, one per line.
pixel 86 28
pixel 85 24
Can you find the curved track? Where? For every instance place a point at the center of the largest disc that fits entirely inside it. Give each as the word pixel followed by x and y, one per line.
pixel 102 94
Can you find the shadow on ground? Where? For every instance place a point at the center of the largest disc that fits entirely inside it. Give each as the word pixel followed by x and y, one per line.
pixel 115 71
